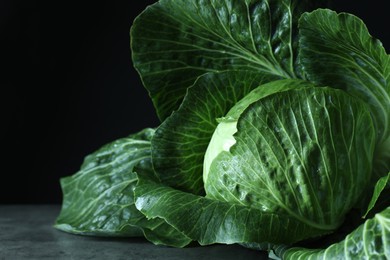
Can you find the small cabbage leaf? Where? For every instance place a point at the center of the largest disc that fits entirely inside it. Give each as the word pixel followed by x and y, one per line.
pixel 99 199
pixel 298 153
pixel 174 42
pixel 380 186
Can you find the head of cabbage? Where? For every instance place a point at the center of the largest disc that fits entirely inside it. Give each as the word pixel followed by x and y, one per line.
pixel 275 126
pixel 299 152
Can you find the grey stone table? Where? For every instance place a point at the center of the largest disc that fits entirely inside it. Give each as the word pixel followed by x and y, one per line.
pixel 26 232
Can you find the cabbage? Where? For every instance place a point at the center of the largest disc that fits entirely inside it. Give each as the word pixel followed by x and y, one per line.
pixel 274 134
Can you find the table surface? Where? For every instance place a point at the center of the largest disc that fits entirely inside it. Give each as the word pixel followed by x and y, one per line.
pixel 26 232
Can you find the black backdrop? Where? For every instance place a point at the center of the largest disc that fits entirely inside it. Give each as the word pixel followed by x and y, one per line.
pixel 68 86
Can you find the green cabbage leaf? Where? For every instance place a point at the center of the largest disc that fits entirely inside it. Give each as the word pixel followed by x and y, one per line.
pixel 99 199
pixel 175 42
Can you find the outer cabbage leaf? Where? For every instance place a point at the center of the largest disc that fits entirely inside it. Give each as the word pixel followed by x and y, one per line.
pixel 175 41
pixel 371 240
pixel 99 199
pixel 209 221
pixel 179 145
pixel 299 153
pixel 337 50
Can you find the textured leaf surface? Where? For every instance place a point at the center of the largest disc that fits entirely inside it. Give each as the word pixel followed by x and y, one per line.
pixel 99 199
pixel 181 141
pixel 337 50
pixel 222 138
pixel 209 221
pixel 369 241
pixel 298 153
pixel 176 41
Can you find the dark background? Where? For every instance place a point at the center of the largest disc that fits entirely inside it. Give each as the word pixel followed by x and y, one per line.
pixel 68 86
